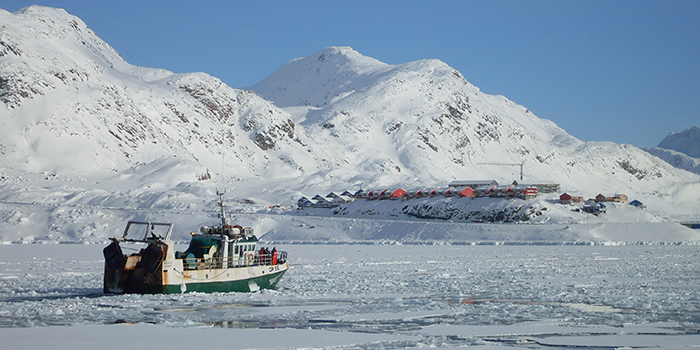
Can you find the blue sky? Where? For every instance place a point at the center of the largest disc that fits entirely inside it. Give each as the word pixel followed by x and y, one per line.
pixel 621 71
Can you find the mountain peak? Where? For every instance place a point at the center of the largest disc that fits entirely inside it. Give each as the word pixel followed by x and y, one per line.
pixel 344 56
pixel 686 141
pixel 42 10
pixel 336 50
pixel 56 19
pixel 51 35
pixel 294 83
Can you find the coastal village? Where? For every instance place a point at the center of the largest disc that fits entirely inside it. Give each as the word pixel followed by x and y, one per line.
pixel 471 189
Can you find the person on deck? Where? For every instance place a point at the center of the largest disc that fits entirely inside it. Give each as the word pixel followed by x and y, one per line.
pixel 261 256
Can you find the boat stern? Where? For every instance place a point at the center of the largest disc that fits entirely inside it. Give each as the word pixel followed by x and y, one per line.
pixel 139 273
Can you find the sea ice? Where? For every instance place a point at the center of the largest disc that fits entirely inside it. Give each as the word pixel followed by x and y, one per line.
pixel 371 296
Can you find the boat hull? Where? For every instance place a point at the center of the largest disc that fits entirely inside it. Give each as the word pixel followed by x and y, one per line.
pixel 267 281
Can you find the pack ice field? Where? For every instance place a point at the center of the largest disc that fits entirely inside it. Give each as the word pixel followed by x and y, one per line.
pixel 388 296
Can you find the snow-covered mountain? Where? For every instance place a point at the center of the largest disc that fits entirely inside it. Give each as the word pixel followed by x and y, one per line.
pixel 83 130
pixel 72 105
pixel 422 121
pixel 686 141
pixel 680 149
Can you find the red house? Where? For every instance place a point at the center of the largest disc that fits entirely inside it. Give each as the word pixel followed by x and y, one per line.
pixel 566 198
pixel 529 193
pixel 397 194
pixel 465 192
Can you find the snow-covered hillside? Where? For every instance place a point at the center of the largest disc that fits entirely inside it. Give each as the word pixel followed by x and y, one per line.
pixel 89 141
pixel 73 106
pixel 677 159
pixel 680 149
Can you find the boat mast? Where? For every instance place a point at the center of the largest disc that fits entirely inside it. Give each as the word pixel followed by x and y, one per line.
pixel 223 211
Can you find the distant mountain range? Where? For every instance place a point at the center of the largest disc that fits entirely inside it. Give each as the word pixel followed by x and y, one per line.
pixel 333 120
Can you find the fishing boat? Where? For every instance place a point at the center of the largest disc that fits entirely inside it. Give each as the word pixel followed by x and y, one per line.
pixel 223 258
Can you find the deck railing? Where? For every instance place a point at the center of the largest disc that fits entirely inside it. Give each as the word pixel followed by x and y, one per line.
pixel 237 261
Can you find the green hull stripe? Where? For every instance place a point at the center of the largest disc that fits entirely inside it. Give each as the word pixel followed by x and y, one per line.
pixel 243 286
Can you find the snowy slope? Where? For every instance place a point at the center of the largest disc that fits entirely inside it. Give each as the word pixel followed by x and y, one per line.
pixel 417 120
pixel 686 141
pixel 677 159
pixel 89 141
pixel 680 149
pixel 69 96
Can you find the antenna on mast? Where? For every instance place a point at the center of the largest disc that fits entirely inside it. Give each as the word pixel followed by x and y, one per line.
pixel 220 194
pixel 223 210
pixel 222 178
